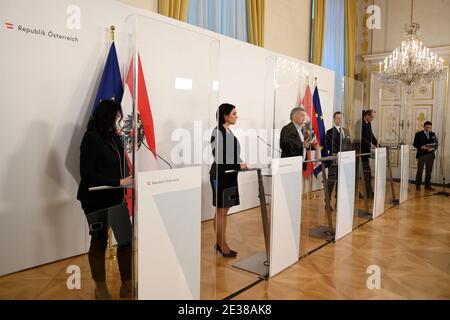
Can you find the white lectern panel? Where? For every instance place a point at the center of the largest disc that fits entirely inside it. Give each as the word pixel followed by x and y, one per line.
pixel 404 177
pixel 380 182
pixel 169 217
pixel 345 193
pixel 286 213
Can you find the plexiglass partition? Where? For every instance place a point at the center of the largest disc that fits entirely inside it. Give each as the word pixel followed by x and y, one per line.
pixel 240 228
pixel 300 99
pixel 362 140
pixel 175 95
pixel 390 100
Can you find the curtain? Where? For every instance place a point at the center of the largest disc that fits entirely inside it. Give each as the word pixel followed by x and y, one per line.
pixel 350 60
pixel 318 34
pixel 350 38
pixel 227 17
pixel 255 16
pixel 177 9
pixel 333 55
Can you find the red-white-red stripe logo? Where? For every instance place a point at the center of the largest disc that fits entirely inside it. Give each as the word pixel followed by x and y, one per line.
pixel 9 25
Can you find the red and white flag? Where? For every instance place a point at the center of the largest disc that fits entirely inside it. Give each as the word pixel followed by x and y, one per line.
pixel 307 103
pixel 145 158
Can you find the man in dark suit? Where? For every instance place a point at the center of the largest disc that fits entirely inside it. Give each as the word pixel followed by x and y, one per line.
pixel 368 142
pixel 292 139
pixel 424 143
pixel 338 139
pixel 338 136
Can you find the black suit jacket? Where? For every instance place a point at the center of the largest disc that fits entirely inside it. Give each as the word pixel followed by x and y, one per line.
pixel 101 165
pixel 334 140
pixel 420 139
pixel 367 138
pixel 291 144
pixel 219 147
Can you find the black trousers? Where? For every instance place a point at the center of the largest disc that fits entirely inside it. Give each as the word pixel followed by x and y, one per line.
pixel 367 174
pixel 97 250
pixel 332 180
pixel 427 162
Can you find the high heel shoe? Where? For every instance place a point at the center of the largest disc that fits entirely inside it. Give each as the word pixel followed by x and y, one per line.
pixel 230 254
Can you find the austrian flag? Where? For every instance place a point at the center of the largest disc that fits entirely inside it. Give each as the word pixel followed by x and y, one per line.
pixel 143 104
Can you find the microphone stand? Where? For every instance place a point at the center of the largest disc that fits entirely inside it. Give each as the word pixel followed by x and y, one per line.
pixel 159 157
pixel 443 192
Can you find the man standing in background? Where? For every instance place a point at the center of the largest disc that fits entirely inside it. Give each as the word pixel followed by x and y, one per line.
pixel 368 142
pixel 338 139
pixel 425 143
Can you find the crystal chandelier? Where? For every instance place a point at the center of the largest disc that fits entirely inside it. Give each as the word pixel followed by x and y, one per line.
pixel 413 62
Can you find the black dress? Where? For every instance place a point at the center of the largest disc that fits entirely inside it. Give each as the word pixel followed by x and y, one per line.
pixel 226 150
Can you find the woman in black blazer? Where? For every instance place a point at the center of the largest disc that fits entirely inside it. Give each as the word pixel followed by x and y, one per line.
pixel 102 163
pixel 226 152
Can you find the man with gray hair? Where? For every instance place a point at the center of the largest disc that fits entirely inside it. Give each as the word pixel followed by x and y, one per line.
pixel 292 140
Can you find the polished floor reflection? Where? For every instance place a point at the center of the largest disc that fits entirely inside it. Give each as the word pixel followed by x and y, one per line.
pixel 410 243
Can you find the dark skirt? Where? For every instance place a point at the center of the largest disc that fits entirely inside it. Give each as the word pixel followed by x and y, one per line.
pixel 225 190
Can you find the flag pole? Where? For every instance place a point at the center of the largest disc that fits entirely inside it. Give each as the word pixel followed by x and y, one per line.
pixel 111 254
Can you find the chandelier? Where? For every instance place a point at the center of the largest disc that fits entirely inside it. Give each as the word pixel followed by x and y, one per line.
pixel 412 62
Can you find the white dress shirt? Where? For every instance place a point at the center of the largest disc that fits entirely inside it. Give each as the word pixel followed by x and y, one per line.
pixel 339 129
pixel 302 137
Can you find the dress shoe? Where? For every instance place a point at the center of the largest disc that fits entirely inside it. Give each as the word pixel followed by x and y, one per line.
pixel 429 188
pixel 417 188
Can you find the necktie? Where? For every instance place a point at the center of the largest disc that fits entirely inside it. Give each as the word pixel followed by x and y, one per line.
pixel 428 135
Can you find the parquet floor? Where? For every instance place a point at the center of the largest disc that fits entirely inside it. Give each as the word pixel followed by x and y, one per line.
pixel 410 243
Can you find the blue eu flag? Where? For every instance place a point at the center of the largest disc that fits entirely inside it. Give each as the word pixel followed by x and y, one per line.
pixel 324 151
pixel 110 87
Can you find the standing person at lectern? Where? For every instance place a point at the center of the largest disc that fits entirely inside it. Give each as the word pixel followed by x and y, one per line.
pixel 226 151
pixel 338 139
pixel 102 164
pixel 368 142
pixel 292 138
pixel 424 142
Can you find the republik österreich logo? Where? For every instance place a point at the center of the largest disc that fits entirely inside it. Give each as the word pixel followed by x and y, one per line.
pixel 35 31
pixel 73 23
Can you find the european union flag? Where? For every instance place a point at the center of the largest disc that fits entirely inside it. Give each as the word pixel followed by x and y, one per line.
pixel 111 87
pixel 324 151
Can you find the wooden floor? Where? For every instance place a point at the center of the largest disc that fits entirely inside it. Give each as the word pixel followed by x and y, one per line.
pixel 410 243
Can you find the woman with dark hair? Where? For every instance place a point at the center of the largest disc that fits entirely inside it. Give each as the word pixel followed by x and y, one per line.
pixel 102 163
pixel 226 152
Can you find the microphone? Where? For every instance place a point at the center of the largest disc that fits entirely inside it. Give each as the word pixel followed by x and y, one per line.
pixel 268 144
pixel 170 166
pixel 157 155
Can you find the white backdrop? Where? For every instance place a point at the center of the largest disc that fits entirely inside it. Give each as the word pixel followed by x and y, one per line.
pixel 47 90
